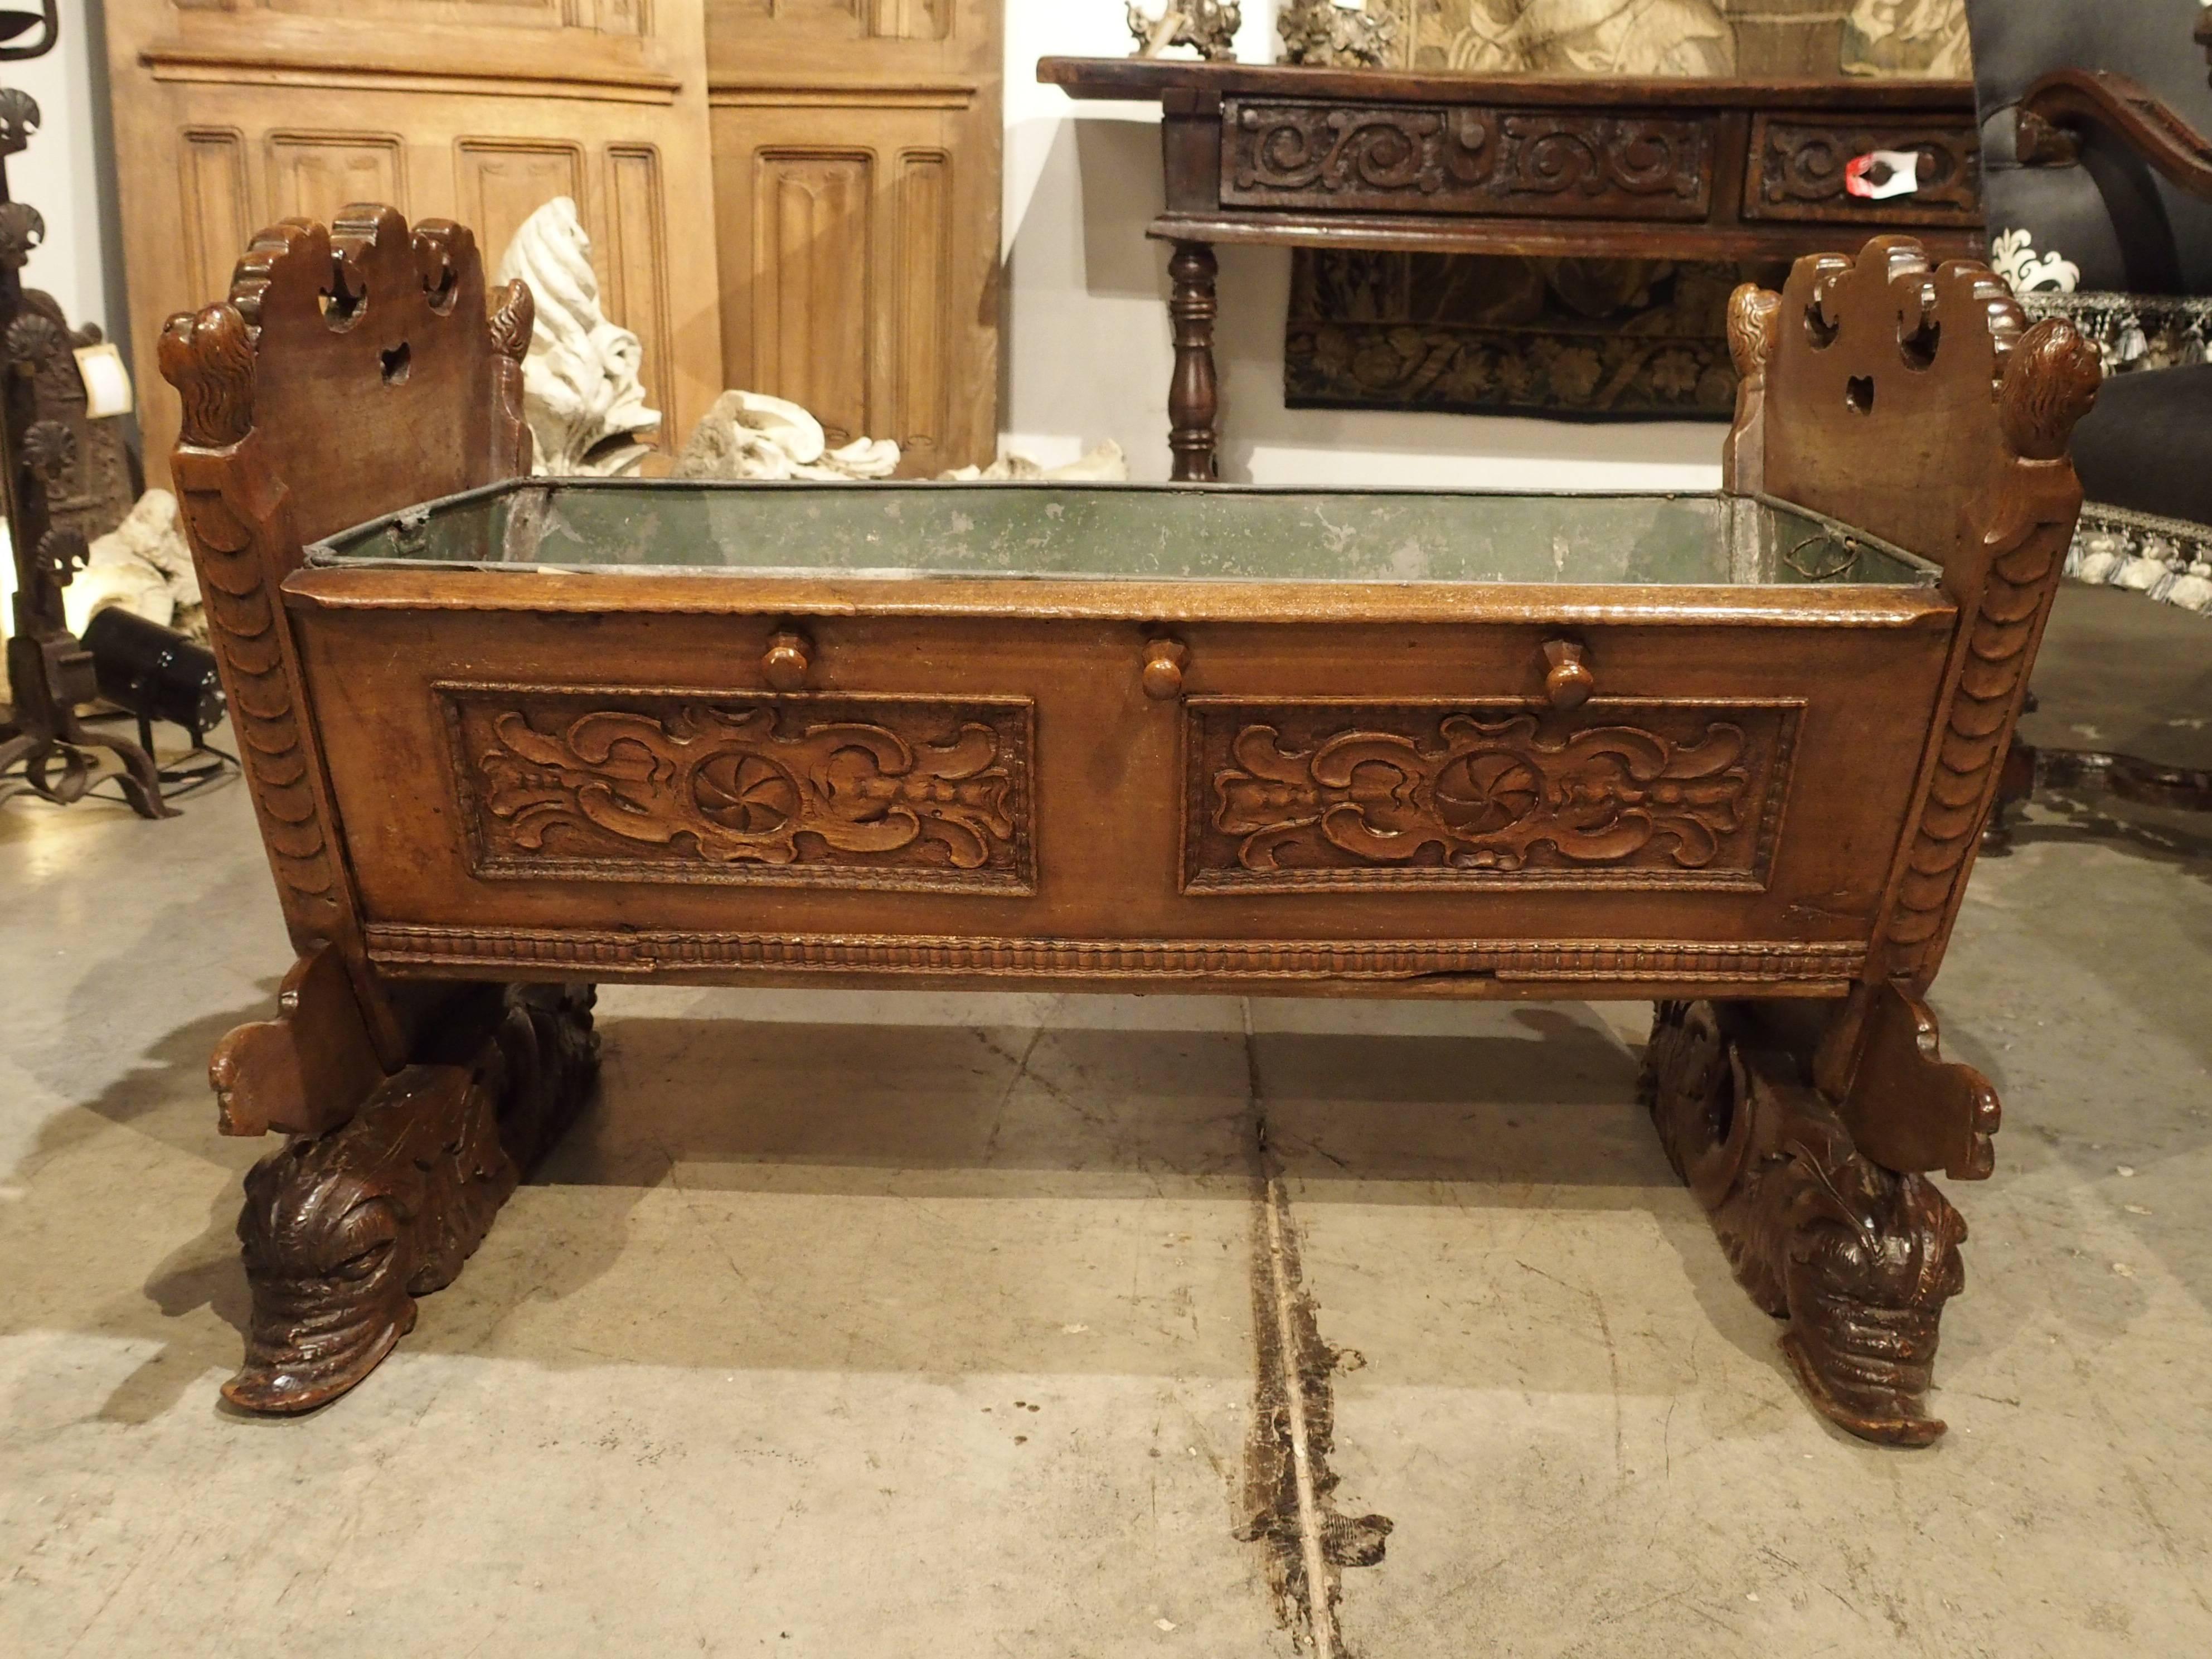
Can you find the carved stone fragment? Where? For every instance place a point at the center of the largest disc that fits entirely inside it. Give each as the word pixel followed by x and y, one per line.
pixel 581 384
pixel 1322 32
pixel 1857 1259
pixel 749 434
pixel 342 1231
pixel 1207 27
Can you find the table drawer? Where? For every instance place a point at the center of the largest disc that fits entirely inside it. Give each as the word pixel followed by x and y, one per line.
pixel 1797 172
pixel 1472 160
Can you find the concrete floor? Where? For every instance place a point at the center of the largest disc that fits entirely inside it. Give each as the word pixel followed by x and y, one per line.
pixel 868 1325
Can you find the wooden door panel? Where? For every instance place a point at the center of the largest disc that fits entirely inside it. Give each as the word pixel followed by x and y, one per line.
pixel 312 174
pixel 811 257
pixel 856 154
pixel 473 14
pixel 923 217
pixel 232 116
pixel 502 181
pixel 218 218
pixel 631 251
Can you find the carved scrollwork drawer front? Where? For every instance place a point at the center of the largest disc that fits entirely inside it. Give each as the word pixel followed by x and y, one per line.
pixel 909 794
pixel 1800 171
pixel 1286 796
pixel 1464 160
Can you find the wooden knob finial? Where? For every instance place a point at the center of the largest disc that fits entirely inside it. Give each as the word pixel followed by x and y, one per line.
pixel 786 661
pixel 1164 661
pixel 1570 682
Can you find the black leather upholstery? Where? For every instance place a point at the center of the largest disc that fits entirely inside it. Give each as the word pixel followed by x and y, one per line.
pixel 2148 444
pixel 2128 230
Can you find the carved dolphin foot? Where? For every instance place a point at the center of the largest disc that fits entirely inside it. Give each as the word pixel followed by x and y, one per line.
pixel 343 1231
pixel 1859 1260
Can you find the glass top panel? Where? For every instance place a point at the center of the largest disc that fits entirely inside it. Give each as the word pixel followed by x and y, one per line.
pixel 1129 532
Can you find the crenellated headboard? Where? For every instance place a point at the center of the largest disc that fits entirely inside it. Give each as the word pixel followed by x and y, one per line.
pixel 362 356
pixel 1908 400
pixel 1915 403
pixel 353 371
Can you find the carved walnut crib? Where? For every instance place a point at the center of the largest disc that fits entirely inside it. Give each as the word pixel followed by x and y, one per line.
pixel 1731 753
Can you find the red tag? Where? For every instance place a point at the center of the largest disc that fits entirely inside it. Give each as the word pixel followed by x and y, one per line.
pixel 1896 172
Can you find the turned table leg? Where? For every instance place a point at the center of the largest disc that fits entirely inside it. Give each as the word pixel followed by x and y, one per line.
pixel 343 1231
pixel 1193 395
pixel 1857 1259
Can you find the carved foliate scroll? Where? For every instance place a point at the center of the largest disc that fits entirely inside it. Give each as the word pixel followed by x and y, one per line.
pixel 1915 403
pixel 1624 794
pixel 692 787
pixel 1285 154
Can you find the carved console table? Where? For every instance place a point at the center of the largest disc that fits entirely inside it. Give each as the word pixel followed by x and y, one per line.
pixel 1585 168
pixel 508 738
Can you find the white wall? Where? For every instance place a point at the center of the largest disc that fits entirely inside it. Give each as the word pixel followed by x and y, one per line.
pixel 58 174
pixel 1087 347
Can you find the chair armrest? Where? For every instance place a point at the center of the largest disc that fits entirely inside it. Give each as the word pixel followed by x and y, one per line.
pixel 2056 109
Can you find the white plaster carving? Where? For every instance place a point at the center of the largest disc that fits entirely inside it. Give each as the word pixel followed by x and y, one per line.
pixel 749 434
pixel 1105 464
pixel 145 566
pixel 580 383
pixel 2012 257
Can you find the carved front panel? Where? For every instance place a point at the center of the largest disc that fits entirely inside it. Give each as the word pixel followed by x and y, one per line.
pixel 1462 160
pixel 1798 172
pixel 686 785
pixel 1626 793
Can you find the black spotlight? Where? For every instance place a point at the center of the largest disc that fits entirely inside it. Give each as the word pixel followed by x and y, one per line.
pixel 155 672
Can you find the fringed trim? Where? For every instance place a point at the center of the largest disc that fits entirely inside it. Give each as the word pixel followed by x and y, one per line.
pixel 2133 331
pixel 2169 560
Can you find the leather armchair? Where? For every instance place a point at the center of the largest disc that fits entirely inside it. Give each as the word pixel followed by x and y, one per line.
pixel 2098 188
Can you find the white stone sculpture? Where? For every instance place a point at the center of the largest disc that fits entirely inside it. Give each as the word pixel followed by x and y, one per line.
pixel 143 565
pixel 749 434
pixel 1105 464
pixel 580 383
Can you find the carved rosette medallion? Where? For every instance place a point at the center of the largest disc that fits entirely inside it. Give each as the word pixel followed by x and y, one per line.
pixel 1625 793
pixel 715 786
pixel 1464 158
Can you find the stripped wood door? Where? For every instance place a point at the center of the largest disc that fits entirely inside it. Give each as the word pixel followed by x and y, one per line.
pixel 230 114
pixel 856 179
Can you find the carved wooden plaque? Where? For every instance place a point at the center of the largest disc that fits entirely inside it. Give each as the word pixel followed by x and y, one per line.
pixel 1625 793
pixel 691 786
pixel 1464 158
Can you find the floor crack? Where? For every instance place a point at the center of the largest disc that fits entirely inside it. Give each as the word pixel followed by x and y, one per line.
pixel 1289 1486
